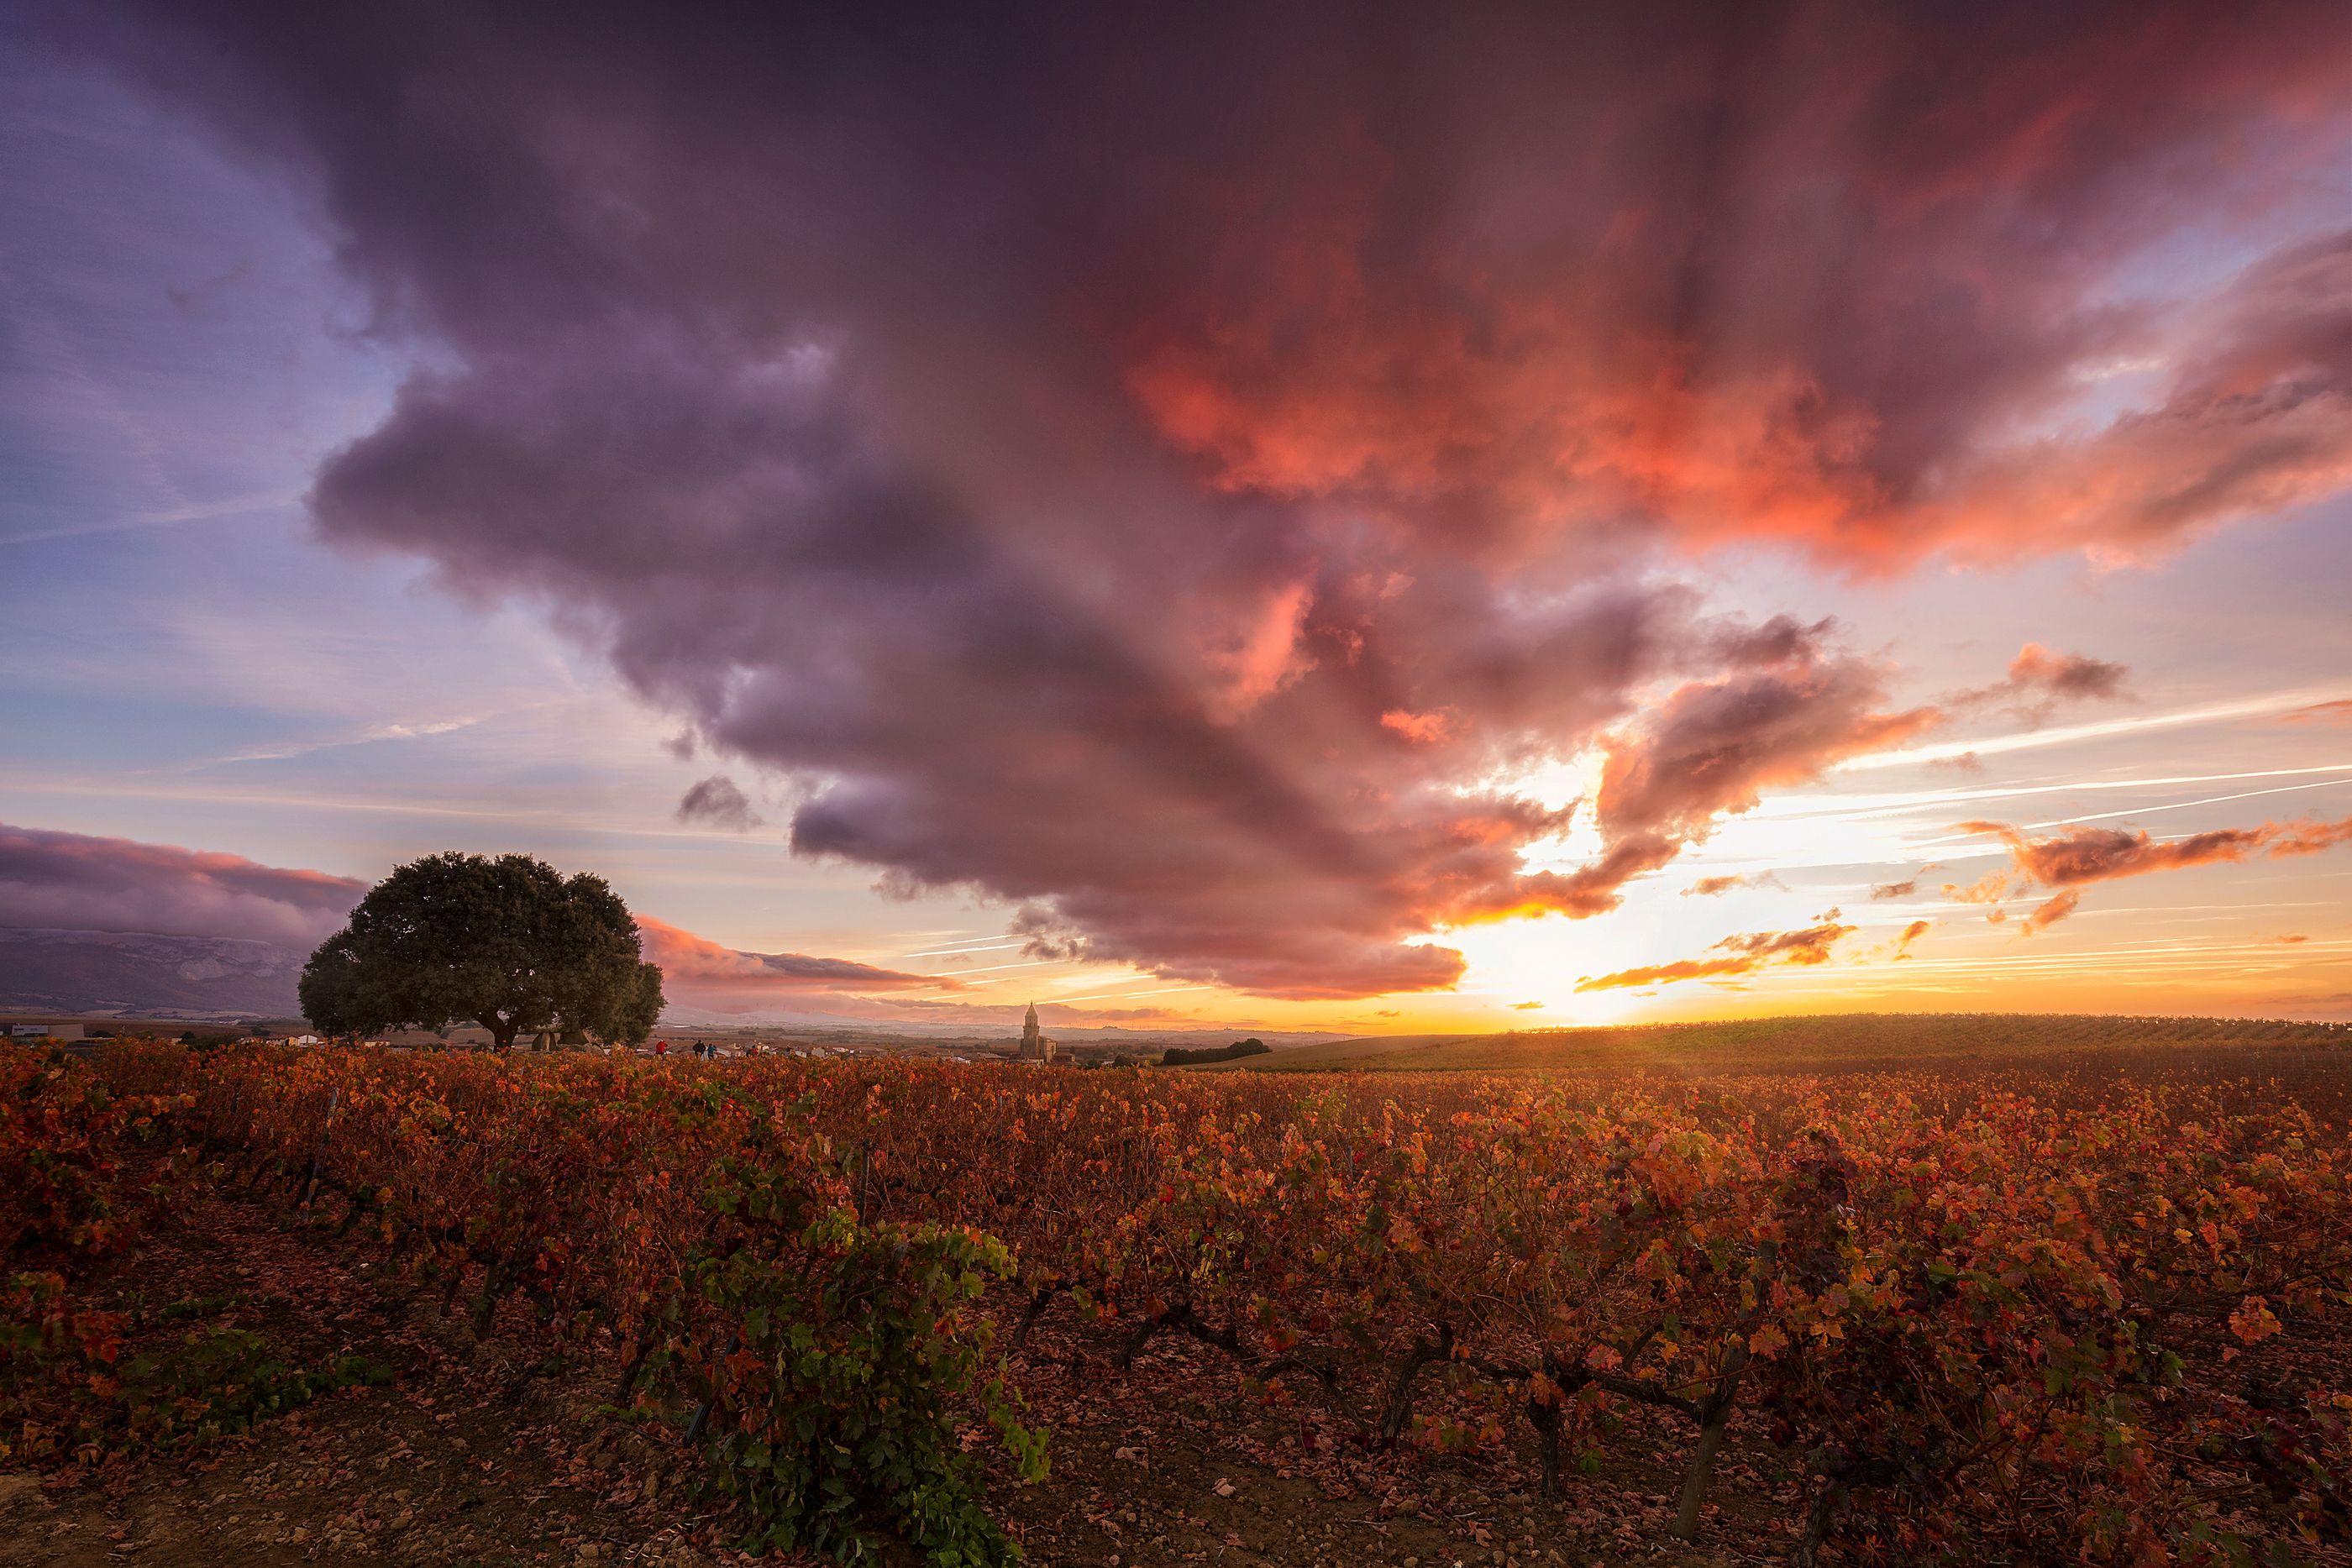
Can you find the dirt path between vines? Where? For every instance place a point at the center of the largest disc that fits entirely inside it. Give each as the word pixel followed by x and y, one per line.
pixel 489 1454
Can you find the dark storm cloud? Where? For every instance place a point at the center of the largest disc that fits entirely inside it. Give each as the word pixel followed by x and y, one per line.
pixel 73 882
pixel 1160 473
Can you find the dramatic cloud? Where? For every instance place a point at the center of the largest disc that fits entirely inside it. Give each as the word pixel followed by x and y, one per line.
pixel 1910 933
pixel 1701 283
pixel 1746 954
pixel 2081 857
pixel 70 881
pixel 718 802
pixel 1711 747
pixel 1165 483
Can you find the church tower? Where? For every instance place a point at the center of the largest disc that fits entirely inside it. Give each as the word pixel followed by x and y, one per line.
pixel 1034 1046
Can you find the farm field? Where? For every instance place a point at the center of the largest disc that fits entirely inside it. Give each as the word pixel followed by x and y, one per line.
pixel 2066 1044
pixel 1738 1296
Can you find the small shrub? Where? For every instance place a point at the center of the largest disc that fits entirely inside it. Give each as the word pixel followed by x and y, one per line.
pixel 845 1391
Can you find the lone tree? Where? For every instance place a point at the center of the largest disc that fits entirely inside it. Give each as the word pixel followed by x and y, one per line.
pixel 510 944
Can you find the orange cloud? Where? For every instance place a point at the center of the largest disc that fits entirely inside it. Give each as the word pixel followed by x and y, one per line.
pixel 1322 352
pixel 1420 728
pixel 2310 838
pixel 689 962
pixel 1903 889
pixel 2050 913
pixel 1709 886
pixel 1748 953
pixel 2081 857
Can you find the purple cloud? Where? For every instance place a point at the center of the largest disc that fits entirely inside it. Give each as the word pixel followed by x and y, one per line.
pixel 719 802
pixel 74 882
pixel 1163 487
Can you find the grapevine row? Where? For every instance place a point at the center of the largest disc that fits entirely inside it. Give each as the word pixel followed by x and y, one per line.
pixel 2085 1317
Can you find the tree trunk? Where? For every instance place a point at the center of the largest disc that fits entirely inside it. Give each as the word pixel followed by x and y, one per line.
pixel 1817 1524
pixel 1399 1406
pixel 1710 1439
pixel 1545 1417
pixel 485 1309
pixel 1039 1300
pixel 628 1383
pixel 502 1032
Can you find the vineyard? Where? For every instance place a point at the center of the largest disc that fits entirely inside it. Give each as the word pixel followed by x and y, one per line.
pixel 1872 1317
pixel 2071 1045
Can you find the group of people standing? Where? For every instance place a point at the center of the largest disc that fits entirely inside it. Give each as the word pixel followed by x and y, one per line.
pixel 700 1048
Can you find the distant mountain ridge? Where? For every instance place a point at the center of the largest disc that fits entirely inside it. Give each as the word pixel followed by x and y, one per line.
pixel 208 978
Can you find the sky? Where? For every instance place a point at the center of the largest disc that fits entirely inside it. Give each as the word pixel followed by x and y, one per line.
pixel 1356 520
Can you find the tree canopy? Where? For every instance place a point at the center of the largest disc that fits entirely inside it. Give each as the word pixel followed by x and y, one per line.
pixel 510 944
pixel 1176 1056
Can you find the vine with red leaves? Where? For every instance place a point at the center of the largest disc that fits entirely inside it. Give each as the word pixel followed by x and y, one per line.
pixel 1986 1316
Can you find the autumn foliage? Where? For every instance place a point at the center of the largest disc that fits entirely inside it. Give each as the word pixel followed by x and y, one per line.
pixel 2101 1322
pixel 701 1235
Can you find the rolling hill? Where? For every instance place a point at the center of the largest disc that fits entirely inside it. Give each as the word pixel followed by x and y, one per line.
pixel 123 973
